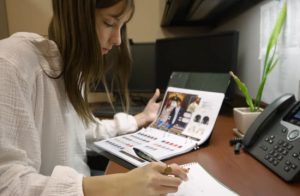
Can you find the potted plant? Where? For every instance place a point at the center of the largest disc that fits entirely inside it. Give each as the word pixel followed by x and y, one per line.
pixel 245 116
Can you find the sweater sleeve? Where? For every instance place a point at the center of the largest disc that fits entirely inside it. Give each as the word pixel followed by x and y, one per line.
pixel 20 148
pixel 18 179
pixel 120 124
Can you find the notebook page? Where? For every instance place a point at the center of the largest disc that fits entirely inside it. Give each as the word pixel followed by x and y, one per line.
pixel 201 183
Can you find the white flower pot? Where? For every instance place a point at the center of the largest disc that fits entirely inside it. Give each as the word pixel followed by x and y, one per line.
pixel 243 118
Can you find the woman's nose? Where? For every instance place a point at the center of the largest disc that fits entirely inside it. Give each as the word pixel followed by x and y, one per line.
pixel 116 37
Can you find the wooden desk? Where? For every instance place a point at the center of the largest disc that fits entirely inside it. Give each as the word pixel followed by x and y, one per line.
pixel 241 172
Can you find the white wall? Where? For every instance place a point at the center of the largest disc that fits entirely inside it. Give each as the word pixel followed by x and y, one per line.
pixel 28 15
pixel 3 20
pixel 248 25
pixel 35 15
pixel 144 26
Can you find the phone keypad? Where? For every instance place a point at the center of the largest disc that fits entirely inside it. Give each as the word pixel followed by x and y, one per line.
pixel 278 151
pixel 278 147
pixel 289 165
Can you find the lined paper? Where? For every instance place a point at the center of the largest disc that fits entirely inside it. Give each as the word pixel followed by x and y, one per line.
pixel 201 183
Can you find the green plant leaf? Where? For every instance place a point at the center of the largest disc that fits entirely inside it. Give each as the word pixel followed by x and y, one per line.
pixel 259 92
pixel 243 88
pixel 275 33
pixel 273 65
pixel 269 62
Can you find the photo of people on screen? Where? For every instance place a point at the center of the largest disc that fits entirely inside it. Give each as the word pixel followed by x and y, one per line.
pixel 169 106
pixel 176 114
pixel 205 120
pixel 197 118
pixel 192 107
pixel 176 111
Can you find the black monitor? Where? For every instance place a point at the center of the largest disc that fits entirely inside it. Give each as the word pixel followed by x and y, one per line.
pixel 143 77
pixel 210 53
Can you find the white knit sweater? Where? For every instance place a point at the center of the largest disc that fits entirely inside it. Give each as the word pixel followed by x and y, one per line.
pixel 42 139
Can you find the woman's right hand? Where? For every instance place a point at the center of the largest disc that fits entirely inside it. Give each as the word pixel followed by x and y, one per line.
pixel 148 180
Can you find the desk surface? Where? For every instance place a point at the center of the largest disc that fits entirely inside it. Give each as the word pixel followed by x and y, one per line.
pixel 242 173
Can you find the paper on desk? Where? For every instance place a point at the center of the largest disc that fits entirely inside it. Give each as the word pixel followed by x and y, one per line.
pixel 201 183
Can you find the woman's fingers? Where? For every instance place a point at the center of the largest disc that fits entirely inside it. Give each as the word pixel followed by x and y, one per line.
pixel 179 171
pixel 155 96
pixel 176 175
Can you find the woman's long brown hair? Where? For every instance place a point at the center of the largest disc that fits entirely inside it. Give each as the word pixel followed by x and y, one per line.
pixel 73 28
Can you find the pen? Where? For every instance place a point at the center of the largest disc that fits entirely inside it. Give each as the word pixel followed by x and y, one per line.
pixel 146 156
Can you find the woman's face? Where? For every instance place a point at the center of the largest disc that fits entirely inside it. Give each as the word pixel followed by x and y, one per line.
pixel 173 103
pixel 109 23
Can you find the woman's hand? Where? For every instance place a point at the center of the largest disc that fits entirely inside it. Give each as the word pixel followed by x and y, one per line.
pixel 150 112
pixel 150 180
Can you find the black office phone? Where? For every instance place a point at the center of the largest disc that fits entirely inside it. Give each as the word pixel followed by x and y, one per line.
pixel 274 137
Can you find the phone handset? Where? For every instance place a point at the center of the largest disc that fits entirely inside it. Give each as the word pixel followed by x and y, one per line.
pixel 255 128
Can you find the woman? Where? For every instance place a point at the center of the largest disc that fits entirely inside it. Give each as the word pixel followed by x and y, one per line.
pixel 163 117
pixel 44 115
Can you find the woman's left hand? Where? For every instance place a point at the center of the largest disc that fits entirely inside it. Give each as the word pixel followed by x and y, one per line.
pixel 150 112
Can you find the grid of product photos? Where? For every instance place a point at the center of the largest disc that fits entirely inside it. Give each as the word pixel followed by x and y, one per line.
pixel 185 121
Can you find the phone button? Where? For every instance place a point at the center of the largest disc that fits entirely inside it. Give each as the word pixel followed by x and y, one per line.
pixel 293 134
pixel 284 130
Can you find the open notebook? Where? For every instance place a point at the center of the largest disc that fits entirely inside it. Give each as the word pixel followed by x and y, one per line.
pixel 185 121
pixel 201 183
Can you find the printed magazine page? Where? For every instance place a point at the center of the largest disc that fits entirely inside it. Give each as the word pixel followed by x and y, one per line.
pixel 188 112
pixel 185 121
